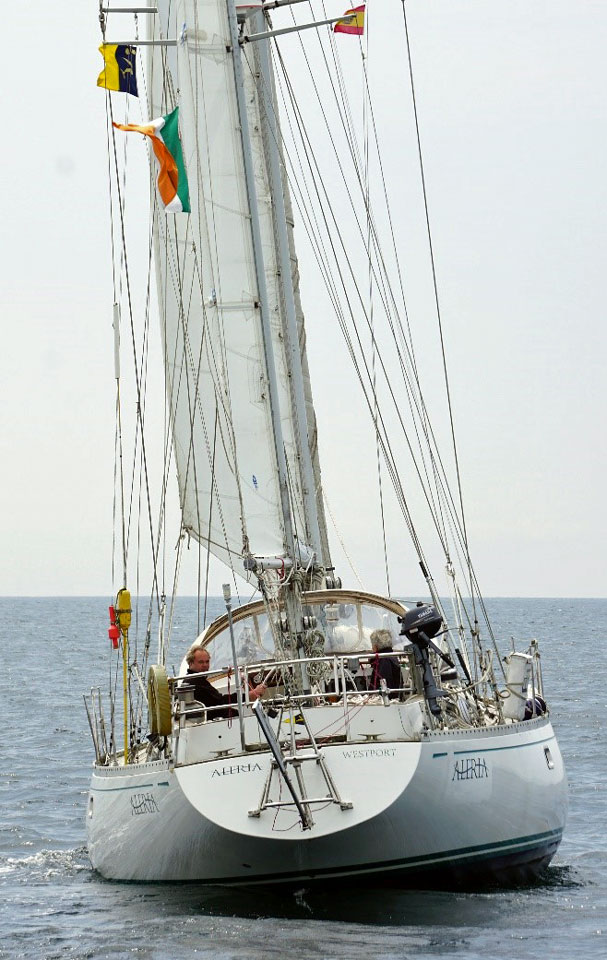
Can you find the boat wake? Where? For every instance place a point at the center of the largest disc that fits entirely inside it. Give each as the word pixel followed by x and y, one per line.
pixel 560 875
pixel 45 865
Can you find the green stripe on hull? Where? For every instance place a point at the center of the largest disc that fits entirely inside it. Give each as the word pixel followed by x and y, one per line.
pixel 464 856
pixel 514 746
pixel 137 786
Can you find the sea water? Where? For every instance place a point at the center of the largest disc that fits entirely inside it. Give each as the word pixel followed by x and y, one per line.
pixel 54 906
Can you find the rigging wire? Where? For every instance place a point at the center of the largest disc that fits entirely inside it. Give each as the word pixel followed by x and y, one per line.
pixel 140 366
pixel 380 427
pixel 206 577
pixel 386 290
pixel 138 383
pixel 444 497
pixel 475 593
pixel 167 448
pixel 328 219
pixel 367 196
pixel 436 296
pixel 118 445
pixel 440 479
pixel 406 343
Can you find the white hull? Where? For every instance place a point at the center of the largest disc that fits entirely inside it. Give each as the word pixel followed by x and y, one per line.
pixel 459 802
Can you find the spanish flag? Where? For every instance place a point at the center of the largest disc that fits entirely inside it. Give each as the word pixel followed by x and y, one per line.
pixel 353 21
pixel 119 69
pixel 172 180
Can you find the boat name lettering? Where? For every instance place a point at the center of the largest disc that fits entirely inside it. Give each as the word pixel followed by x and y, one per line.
pixel 143 803
pixel 474 768
pixel 371 752
pixel 236 768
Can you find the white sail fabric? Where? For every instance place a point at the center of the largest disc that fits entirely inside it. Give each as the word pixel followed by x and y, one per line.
pixel 217 380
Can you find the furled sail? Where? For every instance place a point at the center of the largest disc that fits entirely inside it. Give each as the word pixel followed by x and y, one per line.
pixel 216 373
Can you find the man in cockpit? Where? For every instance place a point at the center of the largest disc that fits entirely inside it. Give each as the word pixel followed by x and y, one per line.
pixel 199 661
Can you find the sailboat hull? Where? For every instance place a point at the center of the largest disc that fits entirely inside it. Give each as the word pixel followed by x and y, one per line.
pixel 489 804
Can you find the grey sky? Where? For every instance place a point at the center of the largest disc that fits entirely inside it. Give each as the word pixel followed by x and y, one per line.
pixel 512 106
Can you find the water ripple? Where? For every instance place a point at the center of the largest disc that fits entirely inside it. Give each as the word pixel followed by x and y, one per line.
pixel 56 908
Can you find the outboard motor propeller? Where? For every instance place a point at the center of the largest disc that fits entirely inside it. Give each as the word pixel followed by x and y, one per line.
pixel 419 626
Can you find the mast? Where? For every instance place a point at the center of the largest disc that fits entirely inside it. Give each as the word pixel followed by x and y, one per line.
pixel 298 400
pixel 238 390
pixel 293 607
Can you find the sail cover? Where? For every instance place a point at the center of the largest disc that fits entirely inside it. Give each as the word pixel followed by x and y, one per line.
pixel 217 381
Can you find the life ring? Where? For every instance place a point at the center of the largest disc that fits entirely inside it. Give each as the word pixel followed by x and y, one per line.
pixel 159 701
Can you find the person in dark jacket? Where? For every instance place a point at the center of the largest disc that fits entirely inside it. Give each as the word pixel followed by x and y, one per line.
pixel 385 668
pixel 199 661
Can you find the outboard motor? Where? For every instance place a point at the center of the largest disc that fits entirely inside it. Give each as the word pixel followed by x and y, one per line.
pixel 419 626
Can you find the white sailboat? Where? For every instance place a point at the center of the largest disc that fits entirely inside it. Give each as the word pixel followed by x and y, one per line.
pixel 387 740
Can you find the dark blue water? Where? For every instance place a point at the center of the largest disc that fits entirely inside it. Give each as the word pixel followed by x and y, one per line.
pixel 54 906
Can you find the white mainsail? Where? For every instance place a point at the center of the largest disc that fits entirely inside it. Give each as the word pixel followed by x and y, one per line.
pixel 217 379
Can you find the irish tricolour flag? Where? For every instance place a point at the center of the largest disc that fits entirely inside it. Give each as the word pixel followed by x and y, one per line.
pixel 172 181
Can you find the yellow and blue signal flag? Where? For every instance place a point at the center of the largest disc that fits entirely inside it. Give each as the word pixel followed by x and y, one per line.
pixel 119 68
